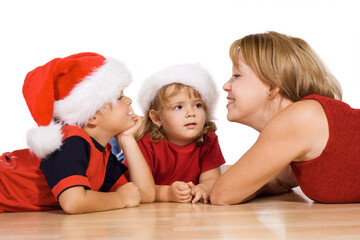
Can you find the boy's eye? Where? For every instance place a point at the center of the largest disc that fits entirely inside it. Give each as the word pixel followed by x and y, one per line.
pixel 177 107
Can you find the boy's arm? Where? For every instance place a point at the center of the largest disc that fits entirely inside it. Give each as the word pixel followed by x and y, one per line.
pixel 77 199
pixel 139 171
pixel 206 182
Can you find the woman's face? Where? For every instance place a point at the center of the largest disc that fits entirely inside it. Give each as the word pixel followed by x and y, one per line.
pixel 248 97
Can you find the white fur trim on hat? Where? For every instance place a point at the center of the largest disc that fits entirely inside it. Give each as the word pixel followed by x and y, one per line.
pixel 103 86
pixel 193 75
pixel 43 141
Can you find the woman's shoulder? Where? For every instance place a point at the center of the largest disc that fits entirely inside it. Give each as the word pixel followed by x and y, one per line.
pixel 304 111
pixel 303 123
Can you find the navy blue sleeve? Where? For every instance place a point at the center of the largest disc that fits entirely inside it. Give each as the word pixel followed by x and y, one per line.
pixel 71 159
pixel 114 170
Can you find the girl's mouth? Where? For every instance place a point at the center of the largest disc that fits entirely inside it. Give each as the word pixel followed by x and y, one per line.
pixel 190 124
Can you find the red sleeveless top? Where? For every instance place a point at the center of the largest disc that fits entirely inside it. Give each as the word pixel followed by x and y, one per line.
pixel 334 176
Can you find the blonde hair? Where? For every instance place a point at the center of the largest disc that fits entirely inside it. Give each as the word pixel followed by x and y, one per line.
pixel 288 63
pixel 159 103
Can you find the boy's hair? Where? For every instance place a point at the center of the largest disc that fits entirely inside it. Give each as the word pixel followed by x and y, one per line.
pixel 159 103
pixel 286 62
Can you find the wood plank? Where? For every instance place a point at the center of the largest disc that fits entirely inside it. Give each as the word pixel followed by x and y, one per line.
pixel 287 216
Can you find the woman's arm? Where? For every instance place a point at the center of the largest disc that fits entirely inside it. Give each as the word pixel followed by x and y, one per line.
pixel 206 182
pixel 298 133
pixel 139 171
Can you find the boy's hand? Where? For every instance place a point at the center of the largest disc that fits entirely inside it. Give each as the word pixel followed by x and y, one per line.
pixel 180 192
pixel 198 193
pixel 130 194
pixel 131 131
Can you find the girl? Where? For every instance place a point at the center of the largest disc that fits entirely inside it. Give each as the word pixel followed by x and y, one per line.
pixel 178 139
pixel 308 136
pixel 79 105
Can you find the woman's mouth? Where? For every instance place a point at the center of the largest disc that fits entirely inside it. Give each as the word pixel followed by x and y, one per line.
pixel 230 100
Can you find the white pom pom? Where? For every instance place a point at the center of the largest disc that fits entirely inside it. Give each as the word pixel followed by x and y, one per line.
pixel 43 141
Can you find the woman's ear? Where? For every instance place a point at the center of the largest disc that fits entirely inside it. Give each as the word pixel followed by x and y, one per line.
pixel 273 92
pixel 155 118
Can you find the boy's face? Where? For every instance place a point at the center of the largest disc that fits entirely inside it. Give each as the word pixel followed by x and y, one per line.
pixel 183 117
pixel 114 119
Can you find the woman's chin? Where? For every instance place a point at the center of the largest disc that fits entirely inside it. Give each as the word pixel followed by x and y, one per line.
pixel 230 118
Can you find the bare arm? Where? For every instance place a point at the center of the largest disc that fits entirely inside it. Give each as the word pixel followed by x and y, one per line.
pixel 295 134
pixel 206 182
pixel 79 200
pixel 139 170
pixel 176 192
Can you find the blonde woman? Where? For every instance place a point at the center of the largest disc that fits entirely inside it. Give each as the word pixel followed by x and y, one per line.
pixel 308 136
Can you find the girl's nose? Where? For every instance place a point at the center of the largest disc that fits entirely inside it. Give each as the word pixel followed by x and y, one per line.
pixel 190 113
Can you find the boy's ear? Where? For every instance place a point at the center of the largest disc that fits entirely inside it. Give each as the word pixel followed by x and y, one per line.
pixel 154 116
pixel 93 122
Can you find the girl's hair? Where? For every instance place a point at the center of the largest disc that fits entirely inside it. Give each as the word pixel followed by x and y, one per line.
pixel 288 63
pixel 159 103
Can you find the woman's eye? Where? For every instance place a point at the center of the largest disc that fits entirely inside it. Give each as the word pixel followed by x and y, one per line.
pixel 120 98
pixel 177 107
pixel 236 75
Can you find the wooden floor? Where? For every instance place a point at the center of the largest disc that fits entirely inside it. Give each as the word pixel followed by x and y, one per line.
pixel 287 216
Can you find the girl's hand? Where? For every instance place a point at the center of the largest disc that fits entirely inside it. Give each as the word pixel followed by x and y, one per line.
pixel 198 193
pixel 180 192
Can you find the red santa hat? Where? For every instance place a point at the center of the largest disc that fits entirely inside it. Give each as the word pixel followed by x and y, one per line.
pixel 193 75
pixel 70 91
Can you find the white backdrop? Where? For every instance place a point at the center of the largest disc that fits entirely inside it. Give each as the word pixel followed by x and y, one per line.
pixel 150 35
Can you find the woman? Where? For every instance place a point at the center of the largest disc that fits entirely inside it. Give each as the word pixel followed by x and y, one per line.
pixel 308 136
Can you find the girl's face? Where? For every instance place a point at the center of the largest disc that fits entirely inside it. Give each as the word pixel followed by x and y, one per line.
pixel 116 118
pixel 182 118
pixel 248 97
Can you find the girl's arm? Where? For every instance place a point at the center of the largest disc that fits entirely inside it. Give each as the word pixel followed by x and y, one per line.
pixel 176 192
pixel 77 199
pixel 206 182
pixel 298 133
pixel 139 171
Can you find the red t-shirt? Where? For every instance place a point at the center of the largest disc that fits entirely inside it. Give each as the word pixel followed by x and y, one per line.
pixel 28 183
pixel 334 176
pixel 169 162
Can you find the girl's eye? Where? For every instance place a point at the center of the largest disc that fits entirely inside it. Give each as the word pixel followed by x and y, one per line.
pixel 199 105
pixel 177 107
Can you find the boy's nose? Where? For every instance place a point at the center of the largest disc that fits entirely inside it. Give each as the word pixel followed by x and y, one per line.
pixel 128 100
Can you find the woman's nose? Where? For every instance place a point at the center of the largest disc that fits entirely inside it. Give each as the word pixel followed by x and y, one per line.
pixel 227 86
